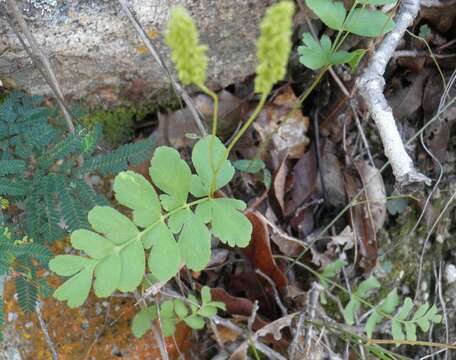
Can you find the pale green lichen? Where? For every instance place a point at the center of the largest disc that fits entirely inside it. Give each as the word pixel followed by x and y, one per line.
pixel 187 54
pixel 274 46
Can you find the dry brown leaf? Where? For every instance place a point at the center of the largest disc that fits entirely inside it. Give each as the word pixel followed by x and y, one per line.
pixel 259 251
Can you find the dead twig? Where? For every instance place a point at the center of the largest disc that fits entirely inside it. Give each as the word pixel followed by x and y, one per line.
pixel 39 58
pixel 158 58
pixel 279 302
pixel 371 85
pixel 44 328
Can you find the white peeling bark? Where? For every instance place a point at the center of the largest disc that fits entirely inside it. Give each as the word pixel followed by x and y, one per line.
pixel 371 85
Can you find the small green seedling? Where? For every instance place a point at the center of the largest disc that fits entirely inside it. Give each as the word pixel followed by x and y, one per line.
pixel 174 311
pixel 360 20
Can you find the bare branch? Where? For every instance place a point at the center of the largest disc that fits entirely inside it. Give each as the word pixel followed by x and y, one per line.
pixel 39 58
pixel 371 85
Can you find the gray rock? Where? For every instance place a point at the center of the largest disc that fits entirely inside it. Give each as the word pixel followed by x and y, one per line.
pixel 97 55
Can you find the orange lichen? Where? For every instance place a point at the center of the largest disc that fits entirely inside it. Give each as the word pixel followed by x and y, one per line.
pixel 100 329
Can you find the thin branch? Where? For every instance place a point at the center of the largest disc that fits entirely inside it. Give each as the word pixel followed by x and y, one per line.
pixel 44 328
pixel 158 58
pixel 39 58
pixel 371 85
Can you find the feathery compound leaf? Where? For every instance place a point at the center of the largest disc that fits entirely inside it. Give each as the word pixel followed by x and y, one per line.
pixel 332 13
pixel 27 294
pixel 195 243
pixel 365 22
pixel 201 159
pixel 142 321
pixel 117 227
pixel 9 167
pixel 76 289
pixel 188 55
pixel 118 160
pixel 135 192
pixel 164 258
pixel 274 46
pixel 73 211
pixel 172 175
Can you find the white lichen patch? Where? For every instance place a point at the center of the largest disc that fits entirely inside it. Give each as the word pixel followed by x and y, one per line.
pixel 42 6
pixel 450 273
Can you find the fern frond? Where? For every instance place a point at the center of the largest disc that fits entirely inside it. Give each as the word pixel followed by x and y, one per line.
pixel 73 212
pixel 88 196
pixel 27 294
pixel 12 188
pixel 119 159
pixel 11 167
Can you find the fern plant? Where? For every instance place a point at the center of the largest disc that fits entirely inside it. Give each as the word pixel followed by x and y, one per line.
pixel 39 167
pixel 22 258
pixel 173 228
pixel 402 320
pixel 361 20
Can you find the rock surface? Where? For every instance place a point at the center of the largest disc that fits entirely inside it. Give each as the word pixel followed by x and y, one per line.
pixel 98 57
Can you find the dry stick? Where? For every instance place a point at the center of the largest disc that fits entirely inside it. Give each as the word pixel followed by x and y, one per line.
pixel 158 58
pixel 44 328
pixel 279 302
pixel 39 58
pixel 371 85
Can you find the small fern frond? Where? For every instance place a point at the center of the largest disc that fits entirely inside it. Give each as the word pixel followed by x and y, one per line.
pixel 120 158
pixel 27 293
pixel 11 167
pixel 73 212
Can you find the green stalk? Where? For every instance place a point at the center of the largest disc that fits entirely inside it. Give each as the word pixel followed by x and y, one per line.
pixel 233 142
pixel 214 97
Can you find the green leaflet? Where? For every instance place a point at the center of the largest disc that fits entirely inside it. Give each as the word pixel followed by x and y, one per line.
pixel 332 13
pixel 91 243
pixel 361 21
pixel 117 227
pixel 76 289
pixel 365 22
pixel 316 54
pixel 142 321
pixel 67 265
pixel 164 258
pixel 355 304
pixel 107 273
pixel 172 175
pixel 133 263
pixel 228 223
pixel 135 192
pixel 195 243
pixel 202 162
